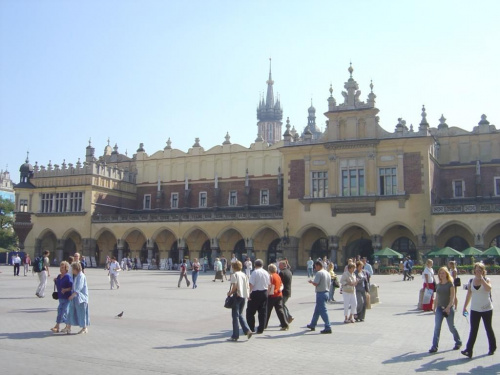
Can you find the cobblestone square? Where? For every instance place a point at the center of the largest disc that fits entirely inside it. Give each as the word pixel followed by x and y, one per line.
pixel 171 330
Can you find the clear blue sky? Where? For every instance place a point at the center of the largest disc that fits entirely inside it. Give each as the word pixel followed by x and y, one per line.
pixel 144 71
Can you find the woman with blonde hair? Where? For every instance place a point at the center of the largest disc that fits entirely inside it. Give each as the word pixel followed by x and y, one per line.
pixel 78 307
pixel 428 277
pixel 64 283
pixel 334 282
pixel 348 283
pixel 443 308
pixel 240 289
pixel 479 294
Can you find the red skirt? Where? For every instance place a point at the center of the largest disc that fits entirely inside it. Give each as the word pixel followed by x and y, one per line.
pixel 428 306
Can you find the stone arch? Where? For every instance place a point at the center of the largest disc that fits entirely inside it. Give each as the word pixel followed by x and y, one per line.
pixel 491 233
pixel 266 244
pixel 72 243
pixel 105 245
pixel 47 240
pixel 195 239
pixel 135 239
pixel 228 238
pixel 164 238
pixel 401 238
pixel 393 224
pixel 305 228
pixel 355 240
pixel 348 227
pixel 454 229
pixel 306 241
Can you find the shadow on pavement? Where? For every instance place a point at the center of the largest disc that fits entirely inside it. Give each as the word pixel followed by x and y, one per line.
pixel 18 297
pixel 406 357
pixel 214 338
pixel 416 311
pixel 27 335
pixel 32 311
pixel 481 370
pixel 440 365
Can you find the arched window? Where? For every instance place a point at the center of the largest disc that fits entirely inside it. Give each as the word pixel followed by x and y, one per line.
pixel 457 243
pixel 319 249
pixel 495 242
pixel 206 251
pixel 239 250
pixel 405 246
pixel 274 251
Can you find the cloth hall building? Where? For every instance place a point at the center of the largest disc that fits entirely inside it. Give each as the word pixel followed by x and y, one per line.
pixel 349 190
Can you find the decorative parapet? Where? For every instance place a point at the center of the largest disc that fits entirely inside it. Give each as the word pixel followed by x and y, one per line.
pixel 95 169
pixel 465 208
pixel 190 216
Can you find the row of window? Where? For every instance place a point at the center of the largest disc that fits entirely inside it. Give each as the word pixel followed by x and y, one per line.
pixel 352 182
pixel 61 202
pixel 459 188
pixel 203 199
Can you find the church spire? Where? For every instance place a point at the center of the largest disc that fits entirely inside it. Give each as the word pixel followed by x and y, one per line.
pixel 270 92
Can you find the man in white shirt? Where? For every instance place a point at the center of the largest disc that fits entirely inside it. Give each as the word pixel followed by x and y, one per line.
pixel 257 302
pixel 16 262
pixel 114 268
pixel 322 282
pixel 310 264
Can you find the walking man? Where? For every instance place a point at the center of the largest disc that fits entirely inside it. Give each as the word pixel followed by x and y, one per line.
pixel 259 283
pixel 26 263
pixel 43 275
pixel 322 283
pixel 310 264
pixel 114 268
pixel 183 274
pixel 286 279
pixel 16 262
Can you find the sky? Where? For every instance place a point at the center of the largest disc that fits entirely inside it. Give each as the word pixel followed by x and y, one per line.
pixel 144 71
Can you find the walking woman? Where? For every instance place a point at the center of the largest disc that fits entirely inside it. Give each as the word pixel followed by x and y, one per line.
pixel 239 287
pixel 64 283
pixel 452 265
pixel 333 283
pixel 218 270
pixel 275 298
pixel 443 309
pixel 348 283
pixel 479 294
pixel 79 301
pixel 428 277
pixel 361 289
pixel 196 270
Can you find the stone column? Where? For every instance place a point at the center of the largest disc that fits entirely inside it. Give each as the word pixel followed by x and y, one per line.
pixel 291 252
pixel 150 244
pixel 333 245
pixel 214 246
pixel 120 244
pixel 59 250
pixel 181 247
pixel 249 248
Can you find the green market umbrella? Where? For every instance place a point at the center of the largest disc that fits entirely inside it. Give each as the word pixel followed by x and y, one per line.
pixel 471 251
pixel 492 251
pixel 447 252
pixel 387 253
pixel 431 253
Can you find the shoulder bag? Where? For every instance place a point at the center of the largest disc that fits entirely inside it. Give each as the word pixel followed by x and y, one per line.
pixel 55 295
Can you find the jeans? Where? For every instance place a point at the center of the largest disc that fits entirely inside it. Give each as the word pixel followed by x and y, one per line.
pixel 438 320
pixel 257 302
pixel 62 310
pixel 194 275
pixel 361 304
pixel 16 269
pixel 475 319
pixel 237 310
pixel 320 310
pixel 309 272
pixel 332 291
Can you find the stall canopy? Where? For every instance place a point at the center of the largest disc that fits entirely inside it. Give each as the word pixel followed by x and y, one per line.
pixel 471 251
pixel 492 251
pixel 446 252
pixel 387 253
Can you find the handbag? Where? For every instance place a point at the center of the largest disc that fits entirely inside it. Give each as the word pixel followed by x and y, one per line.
pixel 336 283
pixel 229 302
pixel 55 295
pixel 457 281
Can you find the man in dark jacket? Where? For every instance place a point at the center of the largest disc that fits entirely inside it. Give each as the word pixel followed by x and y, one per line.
pixel 286 279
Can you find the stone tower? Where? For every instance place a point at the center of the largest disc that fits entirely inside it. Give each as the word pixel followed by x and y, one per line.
pixel 269 114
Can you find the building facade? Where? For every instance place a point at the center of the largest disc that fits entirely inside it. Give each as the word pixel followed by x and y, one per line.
pixel 349 190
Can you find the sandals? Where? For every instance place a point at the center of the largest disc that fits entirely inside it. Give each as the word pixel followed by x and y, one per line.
pixel 55 330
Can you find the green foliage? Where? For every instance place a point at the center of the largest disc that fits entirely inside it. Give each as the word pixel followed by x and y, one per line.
pixel 8 238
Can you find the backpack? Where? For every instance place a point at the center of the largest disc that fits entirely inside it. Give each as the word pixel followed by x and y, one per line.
pixel 38 264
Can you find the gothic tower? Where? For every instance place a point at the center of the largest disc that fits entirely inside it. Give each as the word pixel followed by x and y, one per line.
pixel 269 114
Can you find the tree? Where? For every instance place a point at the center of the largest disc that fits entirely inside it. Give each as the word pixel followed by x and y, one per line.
pixel 8 238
